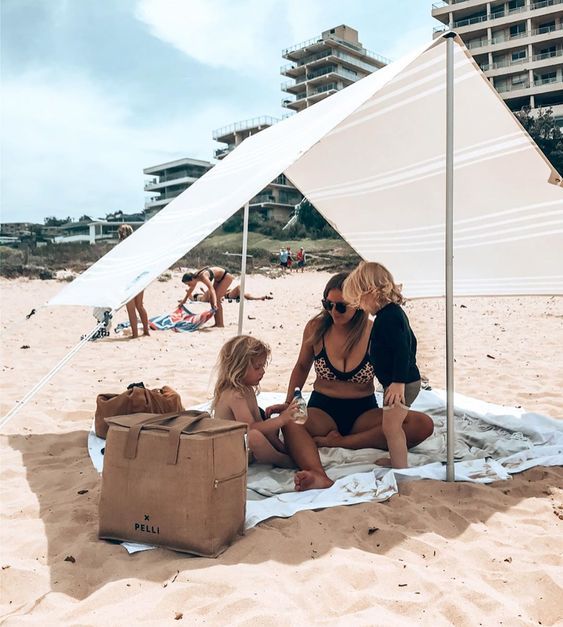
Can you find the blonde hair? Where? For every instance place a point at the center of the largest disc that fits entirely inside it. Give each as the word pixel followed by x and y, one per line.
pixel 124 231
pixel 323 320
pixel 368 278
pixel 235 356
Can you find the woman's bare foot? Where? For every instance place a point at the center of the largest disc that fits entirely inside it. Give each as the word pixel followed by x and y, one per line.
pixel 311 480
pixel 331 439
pixel 146 333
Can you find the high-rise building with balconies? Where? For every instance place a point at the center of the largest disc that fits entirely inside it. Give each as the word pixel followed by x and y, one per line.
pixel 170 180
pixel 279 198
pixel 517 43
pixel 324 65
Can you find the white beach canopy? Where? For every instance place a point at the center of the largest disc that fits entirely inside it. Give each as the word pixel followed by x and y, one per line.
pixel 414 163
pixel 372 160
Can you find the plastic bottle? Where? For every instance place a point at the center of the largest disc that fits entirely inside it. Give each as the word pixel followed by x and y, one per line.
pixel 301 414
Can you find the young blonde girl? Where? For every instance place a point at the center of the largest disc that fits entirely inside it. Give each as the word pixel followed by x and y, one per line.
pixel 392 350
pixel 241 366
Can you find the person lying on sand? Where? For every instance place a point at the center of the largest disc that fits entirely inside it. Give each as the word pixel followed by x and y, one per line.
pixel 232 294
pixel 342 410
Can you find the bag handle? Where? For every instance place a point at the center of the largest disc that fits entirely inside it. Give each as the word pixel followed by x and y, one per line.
pixel 187 419
pixel 135 431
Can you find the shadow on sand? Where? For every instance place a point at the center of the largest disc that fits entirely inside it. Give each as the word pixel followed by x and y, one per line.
pixel 58 468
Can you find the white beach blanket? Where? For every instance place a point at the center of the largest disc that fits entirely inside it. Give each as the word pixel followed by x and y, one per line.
pixel 492 442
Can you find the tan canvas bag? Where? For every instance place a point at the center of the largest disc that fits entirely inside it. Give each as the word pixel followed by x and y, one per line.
pixel 175 480
pixel 135 400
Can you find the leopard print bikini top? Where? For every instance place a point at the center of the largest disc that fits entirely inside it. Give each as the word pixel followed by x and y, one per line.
pixel 362 373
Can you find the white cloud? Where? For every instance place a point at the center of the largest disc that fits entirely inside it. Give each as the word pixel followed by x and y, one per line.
pixel 238 35
pixel 69 148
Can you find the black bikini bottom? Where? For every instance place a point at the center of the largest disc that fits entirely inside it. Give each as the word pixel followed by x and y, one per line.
pixel 344 411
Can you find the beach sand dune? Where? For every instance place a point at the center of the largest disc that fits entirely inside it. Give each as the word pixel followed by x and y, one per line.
pixel 434 554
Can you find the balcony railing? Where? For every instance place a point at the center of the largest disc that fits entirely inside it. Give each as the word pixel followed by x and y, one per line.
pixel 512 86
pixel 510 62
pixel 245 125
pixel 538 82
pixel 547 55
pixel 328 40
pixel 471 20
pixel 542 4
pixel 543 30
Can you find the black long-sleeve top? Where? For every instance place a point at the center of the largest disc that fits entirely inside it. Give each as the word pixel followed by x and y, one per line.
pixel 393 347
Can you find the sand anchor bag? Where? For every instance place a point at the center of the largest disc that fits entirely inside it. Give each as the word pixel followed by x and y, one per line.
pixel 136 399
pixel 174 480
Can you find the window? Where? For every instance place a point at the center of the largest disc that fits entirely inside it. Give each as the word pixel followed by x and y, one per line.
pixel 519 79
pixel 548 27
pixel 519 54
pixel 515 4
pixel 517 29
pixel 548 52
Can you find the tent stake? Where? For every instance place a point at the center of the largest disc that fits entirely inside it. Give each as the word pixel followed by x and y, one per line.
pixel 450 470
pixel 243 268
pixel 53 372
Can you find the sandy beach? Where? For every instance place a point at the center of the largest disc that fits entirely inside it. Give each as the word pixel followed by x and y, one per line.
pixel 435 554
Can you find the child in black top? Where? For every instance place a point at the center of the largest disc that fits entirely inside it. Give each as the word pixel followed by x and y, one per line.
pixel 393 349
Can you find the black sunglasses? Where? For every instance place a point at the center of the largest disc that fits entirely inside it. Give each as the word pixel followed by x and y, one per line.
pixel 340 307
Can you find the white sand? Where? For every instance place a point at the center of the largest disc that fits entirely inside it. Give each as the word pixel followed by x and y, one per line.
pixel 440 554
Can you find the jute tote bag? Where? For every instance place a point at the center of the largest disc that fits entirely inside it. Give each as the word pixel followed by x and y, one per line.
pixel 174 480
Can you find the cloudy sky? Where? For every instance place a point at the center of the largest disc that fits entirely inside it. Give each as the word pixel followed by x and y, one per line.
pixel 93 92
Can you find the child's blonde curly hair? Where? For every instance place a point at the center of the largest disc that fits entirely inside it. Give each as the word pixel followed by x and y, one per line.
pixel 368 278
pixel 235 356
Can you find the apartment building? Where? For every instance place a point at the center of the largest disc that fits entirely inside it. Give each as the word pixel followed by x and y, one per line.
pixel 324 65
pixel 517 43
pixel 279 198
pixel 170 179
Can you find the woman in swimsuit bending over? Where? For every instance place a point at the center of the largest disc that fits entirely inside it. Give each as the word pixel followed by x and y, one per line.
pixel 342 409
pixel 217 281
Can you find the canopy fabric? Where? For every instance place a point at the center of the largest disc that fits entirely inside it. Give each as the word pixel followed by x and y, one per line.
pixel 379 178
pixel 371 158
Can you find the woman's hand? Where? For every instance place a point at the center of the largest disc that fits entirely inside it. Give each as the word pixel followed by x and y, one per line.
pixel 276 409
pixel 331 439
pixel 394 395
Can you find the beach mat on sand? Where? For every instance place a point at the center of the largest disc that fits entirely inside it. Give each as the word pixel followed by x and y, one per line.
pixel 181 320
pixel 492 442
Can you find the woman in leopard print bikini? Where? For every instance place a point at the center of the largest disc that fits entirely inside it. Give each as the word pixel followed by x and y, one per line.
pixel 342 409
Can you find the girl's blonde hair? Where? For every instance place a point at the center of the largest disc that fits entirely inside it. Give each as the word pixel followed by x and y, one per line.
pixel 368 278
pixel 323 321
pixel 235 357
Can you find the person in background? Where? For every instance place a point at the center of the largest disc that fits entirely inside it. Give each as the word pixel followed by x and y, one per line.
pixel 300 257
pixel 216 280
pixel 231 294
pixel 135 304
pixel 241 365
pixel 392 350
pixel 284 255
pixel 289 259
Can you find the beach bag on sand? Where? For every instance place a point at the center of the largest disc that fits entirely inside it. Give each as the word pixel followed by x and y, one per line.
pixel 134 400
pixel 174 480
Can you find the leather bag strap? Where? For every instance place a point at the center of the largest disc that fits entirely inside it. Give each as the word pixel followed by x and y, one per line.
pixel 184 421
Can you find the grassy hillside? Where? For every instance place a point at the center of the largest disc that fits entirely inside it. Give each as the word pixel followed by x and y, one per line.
pixel 219 249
